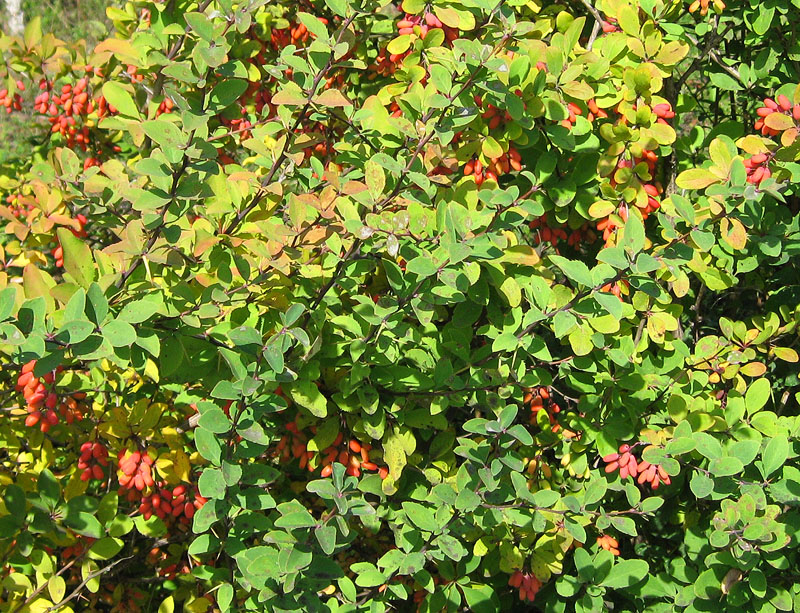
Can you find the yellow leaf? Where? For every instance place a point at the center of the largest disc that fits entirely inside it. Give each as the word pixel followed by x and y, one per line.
pixel 40 605
pixel 778 121
pixel 481 547
pixel 753 369
pixel 168 606
pixel 182 465
pixel 122 49
pixel 524 255
pixel 540 568
pixel 752 144
pixel 787 354
pixel 332 98
pixel 788 137
pixel 733 232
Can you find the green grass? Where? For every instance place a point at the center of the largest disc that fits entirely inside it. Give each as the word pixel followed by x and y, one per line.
pixel 71 20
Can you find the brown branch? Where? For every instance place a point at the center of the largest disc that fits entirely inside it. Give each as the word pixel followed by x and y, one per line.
pixel 89 577
pixel 39 589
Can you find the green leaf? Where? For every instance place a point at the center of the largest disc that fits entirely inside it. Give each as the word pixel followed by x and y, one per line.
pixel 634 238
pixel 84 523
pixel 701 485
pixel 138 311
pixel 725 467
pixel 326 537
pixel 226 93
pixel 211 483
pixel 595 491
pixel 421 516
pixel 575 271
pixel 422 266
pixel 48 488
pixel 546 498
pixel 626 573
pixel 120 98
pixel 165 133
pixel 296 519
pixel 119 333
pixel 14 499
pixel 214 420
pixel 308 396
pixel 106 548
pixel 757 395
pixel 200 25
pixel 775 455
pixel 78 261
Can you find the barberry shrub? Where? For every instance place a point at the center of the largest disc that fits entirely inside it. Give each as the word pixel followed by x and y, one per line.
pixel 348 305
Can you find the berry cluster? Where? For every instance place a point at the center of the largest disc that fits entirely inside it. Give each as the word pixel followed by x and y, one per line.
pixel 17 207
pixel 64 107
pixel 758 167
pixel 165 106
pixel 12 103
pixel 421 25
pixel 497 166
pixel 627 464
pixel 42 400
pixel 574 111
pixel 136 470
pixel 616 288
pixel 166 565
pixel 180 502
pixel 782 106
pixel 702 6
pixel 242 126
pixel 539 398
pixel 610 25
pixel 493 116
pixel 385 64
pixel 647 204
pixel 78 548
pixel 609 543
pixel 354 455
pixel 92 461
pixel 527 583
pixel 544 233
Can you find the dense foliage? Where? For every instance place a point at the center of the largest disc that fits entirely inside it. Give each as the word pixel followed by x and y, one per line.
pixel 357 305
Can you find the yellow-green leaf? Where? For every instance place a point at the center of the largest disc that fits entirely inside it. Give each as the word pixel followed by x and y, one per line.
pixel 121 99
pixel 602 208
pixel 491 148
pixel 399 44
pixel 78 261
pixel 696 178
